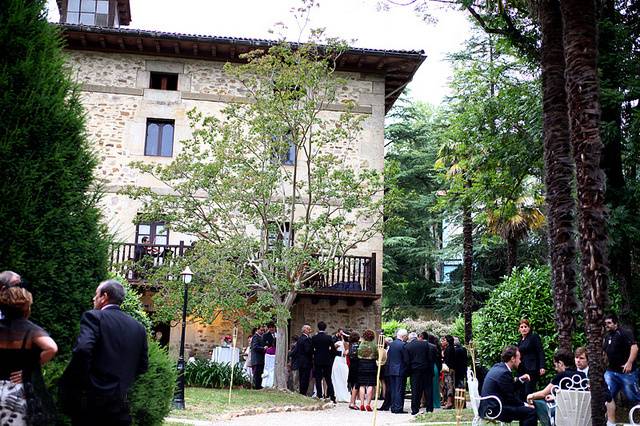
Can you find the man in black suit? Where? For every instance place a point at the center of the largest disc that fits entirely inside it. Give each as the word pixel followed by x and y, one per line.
pixel 269 337
pixel 257 357
pixel 323 356
pixel 500 382
pixel 110 353
pixel 397 366
pixel 421 371
pixel 304 354
pixel 462 359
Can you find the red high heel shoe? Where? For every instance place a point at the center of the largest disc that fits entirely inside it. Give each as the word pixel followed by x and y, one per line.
pixel 362 408
pixel 369 408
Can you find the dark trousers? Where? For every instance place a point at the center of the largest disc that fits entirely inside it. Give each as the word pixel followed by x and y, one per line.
pixel 257 376
pixel 305 375
pixel 421 383
pixel 396 385
pixel 525 415
pixel 386 405
pixel 323 372
pixel 101 411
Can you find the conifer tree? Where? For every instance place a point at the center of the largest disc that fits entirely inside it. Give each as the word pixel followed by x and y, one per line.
pixel 49 222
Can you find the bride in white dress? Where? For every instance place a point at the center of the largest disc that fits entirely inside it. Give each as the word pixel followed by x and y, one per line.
pixel 340 370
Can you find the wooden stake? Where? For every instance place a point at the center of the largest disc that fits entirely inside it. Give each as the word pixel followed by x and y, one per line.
pixel 233 358
pixel 377 389
pixel 460 403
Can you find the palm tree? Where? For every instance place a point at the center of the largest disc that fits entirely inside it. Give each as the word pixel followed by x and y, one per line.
pixel 580 51
pixel 513 221
pixel 559 170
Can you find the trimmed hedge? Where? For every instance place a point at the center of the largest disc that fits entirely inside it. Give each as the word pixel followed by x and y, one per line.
pixel 209 374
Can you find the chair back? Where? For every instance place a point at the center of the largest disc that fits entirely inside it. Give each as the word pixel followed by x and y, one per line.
pixel 573 408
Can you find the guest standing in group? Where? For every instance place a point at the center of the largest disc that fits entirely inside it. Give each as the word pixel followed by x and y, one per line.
pixel 323 355
pixel 367 368
pixel 24 347
pixel 257 357
pixel 292 363
pixel 340 369
pixel 437 367
pixel 397 367
pixel 460 363
pixel 530 347
pixel 421 371
pixel 448 379
pixel 304 353
pixel 352 380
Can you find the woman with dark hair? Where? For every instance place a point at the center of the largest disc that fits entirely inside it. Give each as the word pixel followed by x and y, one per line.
pixel 532 357
pixel 448 364
pixel 24 347
pixel 367 368
pixel 352 379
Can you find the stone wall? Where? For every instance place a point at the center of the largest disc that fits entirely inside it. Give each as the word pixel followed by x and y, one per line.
pixel 336 314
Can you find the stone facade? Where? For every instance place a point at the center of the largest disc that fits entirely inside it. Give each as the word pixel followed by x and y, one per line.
pixel 118 102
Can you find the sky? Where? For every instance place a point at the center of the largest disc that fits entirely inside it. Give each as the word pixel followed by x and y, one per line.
pixel 361 22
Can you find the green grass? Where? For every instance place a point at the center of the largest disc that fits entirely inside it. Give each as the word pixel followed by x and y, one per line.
pixel 205 404
pixel 445 416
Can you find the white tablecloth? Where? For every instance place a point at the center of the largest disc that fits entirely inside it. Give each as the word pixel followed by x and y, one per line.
pixel 223 355
pixel 269 371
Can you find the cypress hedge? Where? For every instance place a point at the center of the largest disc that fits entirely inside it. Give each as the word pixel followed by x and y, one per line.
pixel 50 225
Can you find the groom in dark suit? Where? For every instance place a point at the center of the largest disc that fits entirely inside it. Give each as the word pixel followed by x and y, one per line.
pixel 110 353
pixel 323 356
pixel 397 367
pixel 304 353
pixel 500 382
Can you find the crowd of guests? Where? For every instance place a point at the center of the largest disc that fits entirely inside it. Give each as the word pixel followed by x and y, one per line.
pixel 521 397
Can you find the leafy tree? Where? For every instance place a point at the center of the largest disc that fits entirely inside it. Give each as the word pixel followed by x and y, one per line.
pixel 267 231
pixel 49 222
pixel 412 233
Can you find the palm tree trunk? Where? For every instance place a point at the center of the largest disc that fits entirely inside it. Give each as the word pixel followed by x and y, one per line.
pixel 559 172
pixel 580 41
pixel 467 274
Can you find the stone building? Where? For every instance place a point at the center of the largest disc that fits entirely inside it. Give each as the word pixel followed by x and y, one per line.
pixel 137 87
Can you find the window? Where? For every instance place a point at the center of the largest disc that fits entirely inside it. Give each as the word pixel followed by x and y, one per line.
pixel 88 12
pixel 278 237
pixel 163 81
pixel 156 232
pixel 284 152
pixel 159 140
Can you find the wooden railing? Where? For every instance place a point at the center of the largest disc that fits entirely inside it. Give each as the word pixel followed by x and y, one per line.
pixel 351 274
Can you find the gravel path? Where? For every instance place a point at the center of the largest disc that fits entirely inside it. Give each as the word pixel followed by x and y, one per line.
pixel 340 415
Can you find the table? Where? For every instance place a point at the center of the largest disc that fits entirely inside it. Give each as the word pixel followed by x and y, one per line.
pixel 224 355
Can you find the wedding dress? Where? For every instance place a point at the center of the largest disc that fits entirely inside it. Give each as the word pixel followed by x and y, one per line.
pixel 340 373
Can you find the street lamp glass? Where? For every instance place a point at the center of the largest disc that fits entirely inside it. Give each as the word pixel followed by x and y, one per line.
pixel 187 275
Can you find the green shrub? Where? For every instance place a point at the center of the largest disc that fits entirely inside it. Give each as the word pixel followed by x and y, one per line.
pixel 132 304
pixel 434 327
pixel 151 395
pixel 526 293
pixel 389 328
pixel 209 374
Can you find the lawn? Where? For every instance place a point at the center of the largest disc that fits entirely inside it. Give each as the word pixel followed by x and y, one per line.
pixel 445 416
pixel 205 404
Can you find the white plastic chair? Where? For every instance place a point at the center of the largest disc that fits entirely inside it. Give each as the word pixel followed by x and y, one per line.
pixel 633 410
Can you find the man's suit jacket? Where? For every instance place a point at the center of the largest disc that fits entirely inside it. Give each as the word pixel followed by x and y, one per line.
pixel 268 339
pixel 111 351
pixel 323 349
pixel 462 359
pixel 257 349
pixel 499 382
pixel 420 356
pixel 397 359
pixel 304 352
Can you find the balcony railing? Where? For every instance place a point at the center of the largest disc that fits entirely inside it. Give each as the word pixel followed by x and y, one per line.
pixel 351 274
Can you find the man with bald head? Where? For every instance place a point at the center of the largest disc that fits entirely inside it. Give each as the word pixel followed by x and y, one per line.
pixel 110 353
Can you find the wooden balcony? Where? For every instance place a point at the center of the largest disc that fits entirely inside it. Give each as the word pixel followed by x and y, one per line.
pixel 354 277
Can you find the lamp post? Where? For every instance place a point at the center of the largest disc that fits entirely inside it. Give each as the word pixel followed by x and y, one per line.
pixel 178 399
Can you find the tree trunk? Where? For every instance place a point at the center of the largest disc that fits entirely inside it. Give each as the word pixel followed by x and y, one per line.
pixel 282 343
pixel 467 275
pixel 512 254
pixel 559 172
pixel 580 41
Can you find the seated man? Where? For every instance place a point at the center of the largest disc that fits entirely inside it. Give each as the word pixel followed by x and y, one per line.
pixel 500 383
pixel 567 378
